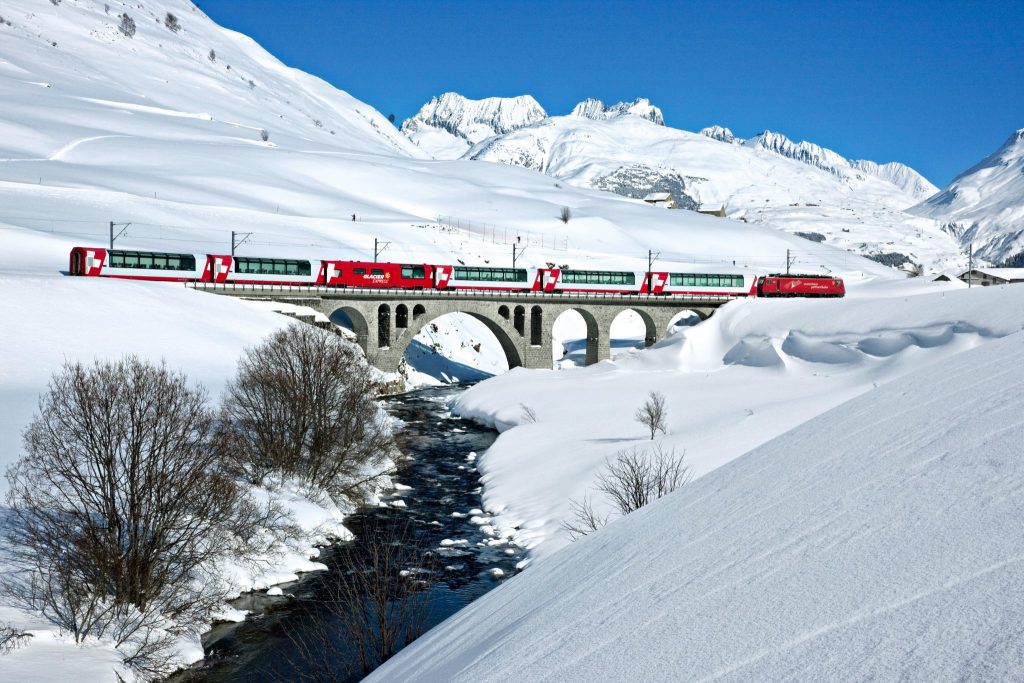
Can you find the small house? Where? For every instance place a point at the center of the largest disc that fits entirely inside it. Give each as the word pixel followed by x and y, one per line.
pixel 993 276
pixel 720 212
pixel 662 199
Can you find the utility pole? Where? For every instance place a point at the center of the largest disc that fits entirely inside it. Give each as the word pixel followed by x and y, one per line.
pixel 234 245
pixel 514 254
pixel 970 264
pixel 112 235
pixel 650 264
pixel 378 247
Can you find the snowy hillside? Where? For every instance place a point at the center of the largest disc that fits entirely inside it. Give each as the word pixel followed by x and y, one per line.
pixel 447 126
pixel 891 553
pixel 985 204
pixel 769 180
pixel 749 373
pixel 905 178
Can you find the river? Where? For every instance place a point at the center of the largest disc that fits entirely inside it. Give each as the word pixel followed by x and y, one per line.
pixel 443 505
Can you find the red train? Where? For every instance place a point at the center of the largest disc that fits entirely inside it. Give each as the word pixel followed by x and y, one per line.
pixel 219 268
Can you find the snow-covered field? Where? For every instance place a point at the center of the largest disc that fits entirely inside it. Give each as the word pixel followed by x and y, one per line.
pixel 880 540
pixel 163 130
pixel 751 372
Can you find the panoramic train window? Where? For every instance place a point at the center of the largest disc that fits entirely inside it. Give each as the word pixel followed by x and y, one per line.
pixel 412 272
pixel 269 266
pixel 376 271
pixel 149 260
pixel 490 274
pixel 359 271
pixel 598 277
pixel 704 280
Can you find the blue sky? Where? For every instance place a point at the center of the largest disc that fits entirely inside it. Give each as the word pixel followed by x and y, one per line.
pixel 936 85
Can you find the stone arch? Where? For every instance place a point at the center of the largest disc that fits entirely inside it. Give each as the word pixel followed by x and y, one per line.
pixel 519 321
pixel 651 333
pixel 509 345
pixel 596 347
pixel 417 311
pixel 357 320
pixel 536 326
pixel 383 326
pixel 401 316
pixel 504 312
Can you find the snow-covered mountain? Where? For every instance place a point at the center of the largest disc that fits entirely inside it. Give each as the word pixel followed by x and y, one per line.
pixel 722 134
pixel 599 111
pixel 984 205
pixel 447 126
pixel 626 148
pixel 900 175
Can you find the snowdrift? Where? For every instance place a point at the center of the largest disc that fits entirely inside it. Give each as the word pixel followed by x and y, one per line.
pixel 749 373
pixel 880 540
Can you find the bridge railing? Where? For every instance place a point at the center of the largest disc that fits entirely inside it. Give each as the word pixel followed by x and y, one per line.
pixel 369 293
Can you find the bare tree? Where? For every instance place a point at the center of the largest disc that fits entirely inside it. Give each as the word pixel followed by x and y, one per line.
pixel 12 638
pixel 264 135
pixel 652 414
pixel 565 214
pixel 120 511
pixel 633 479
pixel 171 22
pixel 584 520
pixel 212 55
pixel 302 405
pixel 380 602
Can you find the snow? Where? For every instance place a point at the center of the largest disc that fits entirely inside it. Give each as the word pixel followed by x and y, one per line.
pixel 878 540
pixel 768 180
pixel 151 131
pixel 599 111
pixel 985 204
pixel 752 371
pixel 448 125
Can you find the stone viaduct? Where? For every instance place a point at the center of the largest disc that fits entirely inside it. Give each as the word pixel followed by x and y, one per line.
pixel 386 320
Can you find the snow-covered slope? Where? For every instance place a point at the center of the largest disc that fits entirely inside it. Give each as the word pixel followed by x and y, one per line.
pixel 905 178
pixel 878 541
pixel 752 371
pixel 985 204
pixel 447 126
pixel 798 188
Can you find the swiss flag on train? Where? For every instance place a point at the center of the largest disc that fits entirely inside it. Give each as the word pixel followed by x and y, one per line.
pixel 654 283
pixel 217 268
pixel 442 274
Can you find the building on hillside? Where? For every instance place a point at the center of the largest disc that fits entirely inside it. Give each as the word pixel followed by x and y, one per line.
pixel 720 212
pixel 993 276
pixel 662 199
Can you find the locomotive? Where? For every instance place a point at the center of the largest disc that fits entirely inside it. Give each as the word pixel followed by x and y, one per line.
pixel 219 268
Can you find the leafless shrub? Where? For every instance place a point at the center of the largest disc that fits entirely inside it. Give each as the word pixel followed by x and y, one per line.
pixel 120 511
pixel 380 604
pixel 11 638
pixel 635 477
pixel 127 26
pixel 212 55
pixel 652 414
pixel 171 22
pixel 302 406
pixel 583 520
pixel 565 214
pixel 527 414
pixel 264 135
